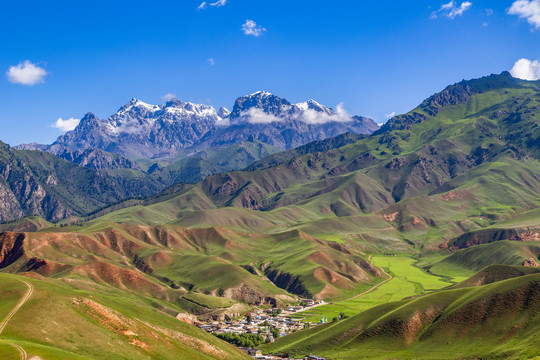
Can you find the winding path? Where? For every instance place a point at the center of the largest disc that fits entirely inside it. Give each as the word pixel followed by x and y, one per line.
pixel 390 277
pixel 3 324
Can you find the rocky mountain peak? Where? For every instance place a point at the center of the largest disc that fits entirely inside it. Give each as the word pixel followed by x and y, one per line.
pixel 89 120
pixel 223 112
pixel 174 103
pixel 313 105
pixel 141 130
pixel 136 106
pixel 261 100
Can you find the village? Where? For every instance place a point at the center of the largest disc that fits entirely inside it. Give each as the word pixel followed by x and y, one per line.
pixel 266 325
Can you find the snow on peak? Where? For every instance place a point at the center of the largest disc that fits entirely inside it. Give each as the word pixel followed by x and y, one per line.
pixel 313 105
pixel 138 117
pixel 223 112
pixel 302 106
pixel 138 104
pixel 261 94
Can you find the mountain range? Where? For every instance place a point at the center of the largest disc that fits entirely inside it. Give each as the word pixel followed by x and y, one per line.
pixel 160 145
pixel 143 131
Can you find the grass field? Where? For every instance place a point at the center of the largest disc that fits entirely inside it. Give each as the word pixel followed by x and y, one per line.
pixel 407 280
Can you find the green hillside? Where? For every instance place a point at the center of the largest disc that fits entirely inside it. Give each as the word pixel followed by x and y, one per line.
pixel 498 320
pixel 60 322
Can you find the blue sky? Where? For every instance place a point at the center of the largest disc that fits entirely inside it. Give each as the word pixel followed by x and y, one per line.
pixel 376 57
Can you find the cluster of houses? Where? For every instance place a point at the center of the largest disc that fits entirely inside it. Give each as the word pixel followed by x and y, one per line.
pixel 263 321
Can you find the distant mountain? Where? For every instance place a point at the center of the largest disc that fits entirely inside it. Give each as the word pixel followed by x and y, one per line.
pixel 139 130
pixel 35 183
pixel 98 159
pixel 143 131
pixel 277 122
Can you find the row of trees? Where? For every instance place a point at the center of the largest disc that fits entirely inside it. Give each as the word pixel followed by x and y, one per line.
pixel 244 340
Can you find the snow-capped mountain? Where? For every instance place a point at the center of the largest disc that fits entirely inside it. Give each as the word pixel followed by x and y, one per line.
pixel 275 121
pixel 140 130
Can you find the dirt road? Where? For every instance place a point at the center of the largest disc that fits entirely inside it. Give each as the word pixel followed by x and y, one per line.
pixel 3 324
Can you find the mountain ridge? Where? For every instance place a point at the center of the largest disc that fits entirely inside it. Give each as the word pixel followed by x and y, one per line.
pixel 140 130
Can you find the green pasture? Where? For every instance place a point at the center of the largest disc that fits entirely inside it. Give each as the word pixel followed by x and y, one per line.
pixel 408 280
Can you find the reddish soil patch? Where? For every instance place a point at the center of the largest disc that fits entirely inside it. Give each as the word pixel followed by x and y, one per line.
pixel 328 292
pixel 105 273
pixel 531 263
pixel 11 247
pixel 43 267
pixel 390 217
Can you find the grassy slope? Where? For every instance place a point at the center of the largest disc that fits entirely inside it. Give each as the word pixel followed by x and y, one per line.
pixel 59 322
pixel 466 262
pixel 499 320
pixel 159 261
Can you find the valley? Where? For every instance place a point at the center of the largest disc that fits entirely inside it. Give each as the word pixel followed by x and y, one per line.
pixel 404 280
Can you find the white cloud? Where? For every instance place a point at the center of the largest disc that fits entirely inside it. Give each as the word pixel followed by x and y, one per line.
pixel 250 27
pixel 219 3
pixel 66 125
pixel 391 115
pixel 526 69
pixel 211 61
pixel 26 73
pixel 257 116
pixel 526 9
pixel 451 10
pixel 310 116
pixel 168 97
pixel 315 117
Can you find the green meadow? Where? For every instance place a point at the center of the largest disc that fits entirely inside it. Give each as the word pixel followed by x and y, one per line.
pixel 407 280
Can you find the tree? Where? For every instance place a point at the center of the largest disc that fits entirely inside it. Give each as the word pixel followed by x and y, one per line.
pixel 245 340
pixel 249 318
pixel 343 315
